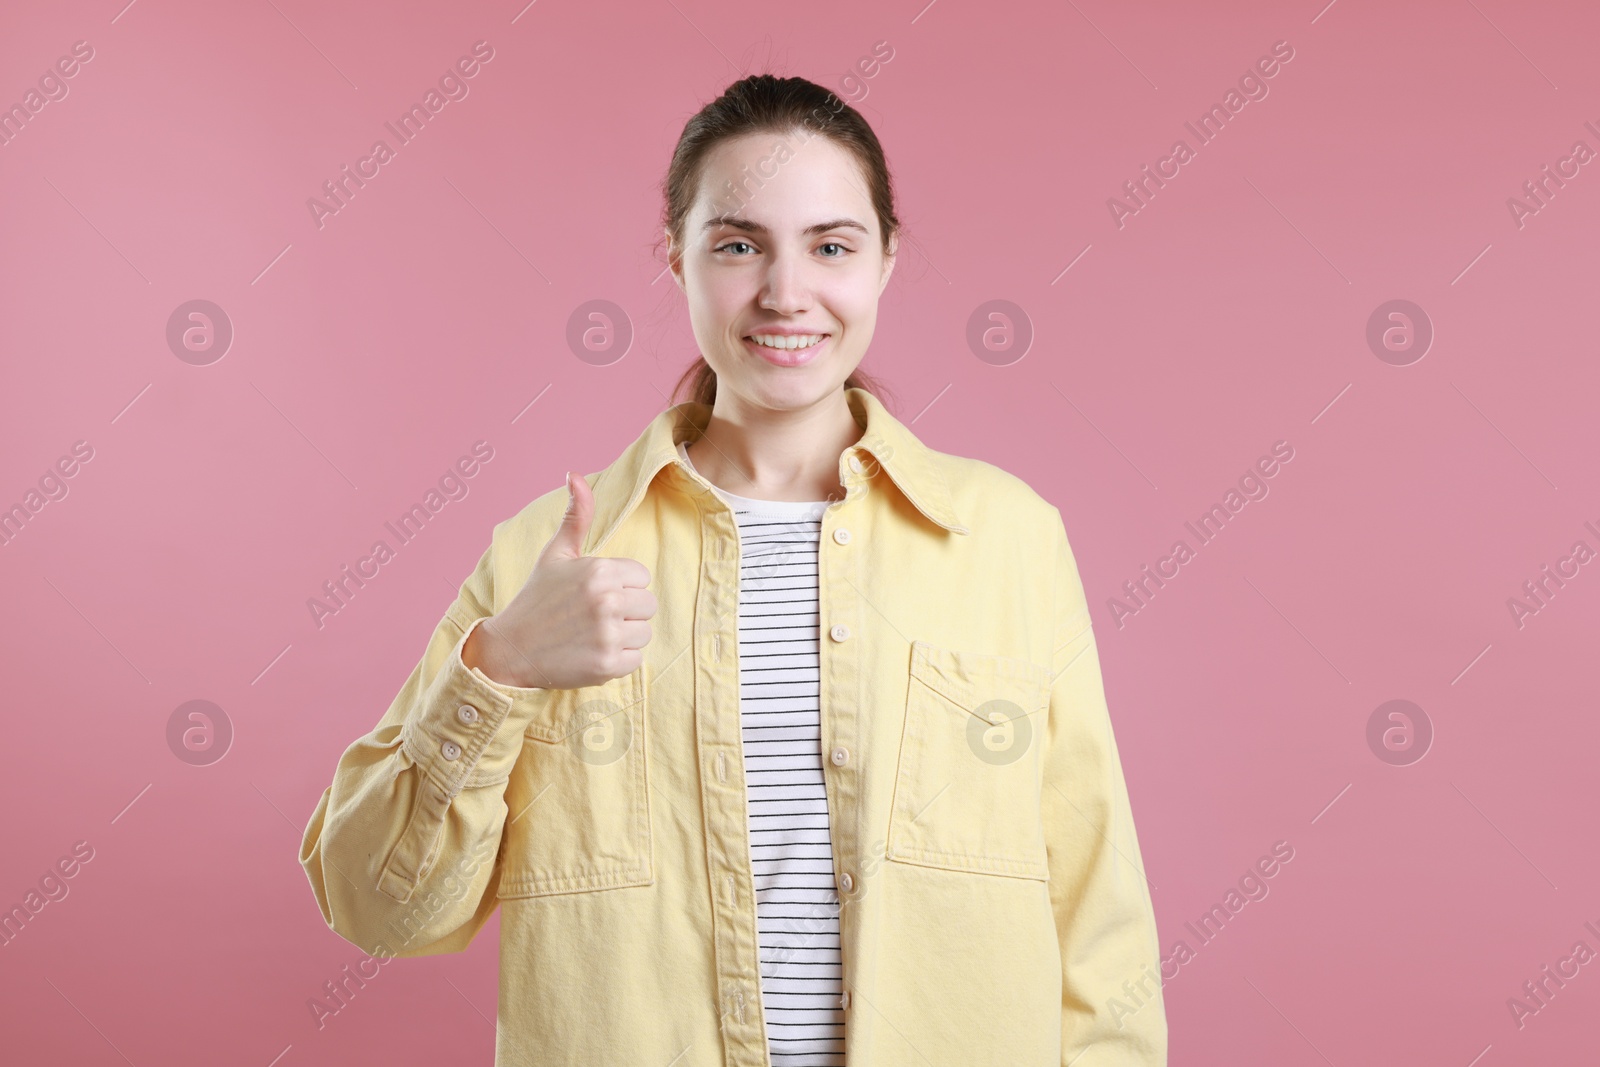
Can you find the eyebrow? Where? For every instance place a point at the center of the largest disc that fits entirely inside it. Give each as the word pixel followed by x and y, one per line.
pixel 746 225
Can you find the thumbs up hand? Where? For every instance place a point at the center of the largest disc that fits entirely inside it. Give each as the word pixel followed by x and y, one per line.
pixel 577 621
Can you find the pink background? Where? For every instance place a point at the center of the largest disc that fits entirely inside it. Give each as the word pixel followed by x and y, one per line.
pixel 1228 314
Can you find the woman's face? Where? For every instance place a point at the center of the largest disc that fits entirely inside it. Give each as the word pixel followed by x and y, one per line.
pixel 781 244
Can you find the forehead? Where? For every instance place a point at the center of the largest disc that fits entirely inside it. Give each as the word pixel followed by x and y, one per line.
pixel 786 181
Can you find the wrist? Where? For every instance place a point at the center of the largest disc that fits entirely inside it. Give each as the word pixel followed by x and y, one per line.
pixel 488 651
pixel 477 652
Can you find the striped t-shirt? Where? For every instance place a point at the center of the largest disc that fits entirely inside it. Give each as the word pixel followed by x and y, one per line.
pixel 791 853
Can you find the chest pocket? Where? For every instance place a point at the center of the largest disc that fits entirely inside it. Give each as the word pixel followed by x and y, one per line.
pixel 578 799
pixel 966 794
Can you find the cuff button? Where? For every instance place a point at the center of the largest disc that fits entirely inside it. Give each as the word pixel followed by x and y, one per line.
pixel 450 750
pixel 467 714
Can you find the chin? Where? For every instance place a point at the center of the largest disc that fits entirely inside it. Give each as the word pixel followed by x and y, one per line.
pixel 787 389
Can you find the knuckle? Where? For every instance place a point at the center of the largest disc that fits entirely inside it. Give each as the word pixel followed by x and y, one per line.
pixel 612 664
pixel 594 582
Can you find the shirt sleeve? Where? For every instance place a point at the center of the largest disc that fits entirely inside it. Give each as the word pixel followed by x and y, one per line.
pixel 401 849
pixel 1112 1011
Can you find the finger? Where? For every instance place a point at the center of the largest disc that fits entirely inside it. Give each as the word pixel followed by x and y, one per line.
pixel 629 573
pixel 567 541
pixel 638 603
pixel 635 635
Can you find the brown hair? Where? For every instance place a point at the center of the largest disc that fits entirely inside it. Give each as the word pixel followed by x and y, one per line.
pixel 763 103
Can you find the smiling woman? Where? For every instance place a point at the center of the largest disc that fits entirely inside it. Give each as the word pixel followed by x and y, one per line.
pixel 778 149
pixel 813 765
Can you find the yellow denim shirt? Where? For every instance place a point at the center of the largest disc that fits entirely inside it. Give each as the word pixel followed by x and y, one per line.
pixel 993 908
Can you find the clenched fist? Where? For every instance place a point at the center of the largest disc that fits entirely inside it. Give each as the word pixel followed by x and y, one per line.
pixel 577 621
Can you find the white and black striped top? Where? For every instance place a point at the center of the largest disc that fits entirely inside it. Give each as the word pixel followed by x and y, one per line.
pixel 791 853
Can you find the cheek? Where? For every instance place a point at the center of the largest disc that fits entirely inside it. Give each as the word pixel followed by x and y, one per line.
pixel 718 297
pixel 853 296
pixel 854 308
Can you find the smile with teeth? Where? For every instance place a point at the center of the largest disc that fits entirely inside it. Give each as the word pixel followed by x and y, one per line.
pixel 782 341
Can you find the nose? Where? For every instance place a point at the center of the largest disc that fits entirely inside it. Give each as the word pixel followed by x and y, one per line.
pixel 785 290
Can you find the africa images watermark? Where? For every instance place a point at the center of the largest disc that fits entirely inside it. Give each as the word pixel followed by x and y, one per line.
pixel 1538 592
pixel 1539 191
pixel 453 85
pixel 782 152
pixel 1252 86
pixel 1252 486
pixel 337 993
pixel 1538 992
pixel 52 486
pixel 52 88
pixel 1252 886
pixel 452 485
pixel 53 888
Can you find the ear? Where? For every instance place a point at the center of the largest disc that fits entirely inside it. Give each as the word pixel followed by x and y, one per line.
pixel 888 263
pixel 674 259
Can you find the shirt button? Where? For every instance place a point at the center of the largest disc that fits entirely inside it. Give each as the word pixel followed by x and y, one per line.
pixel 842 536
pixel 839 756
pixel 450 750
pixel 844 999
pixel 856 464
pixel 845 881
pixel 467 714
pixel 840 632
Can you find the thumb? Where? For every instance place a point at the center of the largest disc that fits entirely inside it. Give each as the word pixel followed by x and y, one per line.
pixel 567 541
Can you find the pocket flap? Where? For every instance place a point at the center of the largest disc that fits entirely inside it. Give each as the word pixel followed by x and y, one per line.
pixel 569 711
pixel 970 678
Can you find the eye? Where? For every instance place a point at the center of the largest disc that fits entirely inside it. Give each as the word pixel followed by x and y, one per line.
pixel 730 244
pixel 835 244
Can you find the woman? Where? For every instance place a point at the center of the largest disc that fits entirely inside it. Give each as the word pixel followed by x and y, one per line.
pixel 814 761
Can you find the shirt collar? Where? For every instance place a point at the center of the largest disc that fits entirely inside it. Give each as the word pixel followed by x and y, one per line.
pixel 910 464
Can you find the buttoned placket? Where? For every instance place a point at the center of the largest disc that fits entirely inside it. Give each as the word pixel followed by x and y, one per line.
pixel 719 735
pixel 719 742
pixel 838 581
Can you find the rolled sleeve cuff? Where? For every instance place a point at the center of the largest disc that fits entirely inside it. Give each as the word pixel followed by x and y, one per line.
pixel 466 730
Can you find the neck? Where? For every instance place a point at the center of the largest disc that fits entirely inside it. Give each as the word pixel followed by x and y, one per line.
pixel 768 454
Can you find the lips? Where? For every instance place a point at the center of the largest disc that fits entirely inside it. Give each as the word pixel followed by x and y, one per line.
pixel 787 357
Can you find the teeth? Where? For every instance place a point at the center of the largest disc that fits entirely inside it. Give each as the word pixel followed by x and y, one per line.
pixel 777 341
